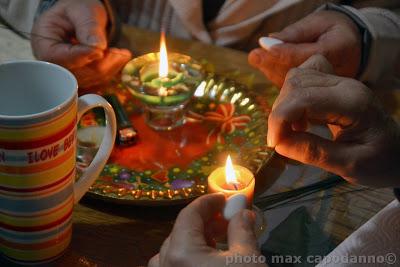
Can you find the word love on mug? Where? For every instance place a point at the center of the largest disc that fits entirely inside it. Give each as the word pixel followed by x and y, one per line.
pixel 51 152
pixel 42 154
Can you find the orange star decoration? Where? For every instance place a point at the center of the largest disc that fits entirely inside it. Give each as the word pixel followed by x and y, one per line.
pixel 161 176
pixel 223 117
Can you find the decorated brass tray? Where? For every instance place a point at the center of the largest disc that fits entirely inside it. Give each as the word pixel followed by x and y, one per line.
pixel 166 167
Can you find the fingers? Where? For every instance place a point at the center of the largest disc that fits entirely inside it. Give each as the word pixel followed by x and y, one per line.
pixel 189 226
pixel 67 55
pixel 318 63
pixel 49 43
pixel 306 30
pixel 52 39
pixel 291 141
pixel 279 59
pixel 102 70
pixel 314 150
pixel 263 61
pixel 89 22
pixel 241 237
pixel 307 98
pixel 312 96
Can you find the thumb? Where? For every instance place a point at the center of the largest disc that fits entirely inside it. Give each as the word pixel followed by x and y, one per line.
pixel 89 22
pixel 241 236
pixel 319 63
pixel 306 30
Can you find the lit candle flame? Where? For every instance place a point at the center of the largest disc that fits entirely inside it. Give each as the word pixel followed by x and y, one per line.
pixel 163 68
pixel 230 175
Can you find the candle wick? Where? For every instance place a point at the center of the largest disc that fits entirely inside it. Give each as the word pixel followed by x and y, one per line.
pixel 235 186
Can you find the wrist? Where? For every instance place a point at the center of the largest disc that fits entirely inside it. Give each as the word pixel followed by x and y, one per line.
pixel 366 38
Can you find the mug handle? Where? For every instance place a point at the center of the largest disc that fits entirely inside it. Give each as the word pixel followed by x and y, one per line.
pixel 91 173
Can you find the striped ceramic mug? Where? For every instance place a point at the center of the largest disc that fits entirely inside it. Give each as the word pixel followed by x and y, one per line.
pixel 39 110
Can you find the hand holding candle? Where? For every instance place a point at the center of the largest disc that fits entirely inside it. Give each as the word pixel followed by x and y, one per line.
pixel 236 183
pixel 189 242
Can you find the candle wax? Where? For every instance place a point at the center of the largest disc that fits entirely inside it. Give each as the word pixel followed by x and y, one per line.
pixel 217 183
pixel 233 186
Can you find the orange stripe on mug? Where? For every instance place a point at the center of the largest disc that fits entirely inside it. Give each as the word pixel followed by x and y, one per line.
pixel 32 144
pixel 39 130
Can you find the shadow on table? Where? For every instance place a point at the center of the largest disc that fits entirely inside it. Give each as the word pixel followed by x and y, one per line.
pixel 160 213
pixel 124 244
pixel 269 173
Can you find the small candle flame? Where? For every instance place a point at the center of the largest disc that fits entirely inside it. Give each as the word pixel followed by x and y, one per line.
pixel 230 175
pixel 163 68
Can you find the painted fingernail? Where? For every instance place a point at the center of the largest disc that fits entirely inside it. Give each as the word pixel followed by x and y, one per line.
pixel 233 205
pixel 268 42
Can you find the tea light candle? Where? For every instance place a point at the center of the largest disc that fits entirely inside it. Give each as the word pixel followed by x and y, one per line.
pixel 164 83
pixel 236 183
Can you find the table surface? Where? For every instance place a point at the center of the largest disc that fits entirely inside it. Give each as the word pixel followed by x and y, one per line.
pixel 107 234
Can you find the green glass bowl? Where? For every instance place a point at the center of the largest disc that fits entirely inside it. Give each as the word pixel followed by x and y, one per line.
pixel 139 73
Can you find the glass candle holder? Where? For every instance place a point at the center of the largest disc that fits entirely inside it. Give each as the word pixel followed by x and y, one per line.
pixel 164 98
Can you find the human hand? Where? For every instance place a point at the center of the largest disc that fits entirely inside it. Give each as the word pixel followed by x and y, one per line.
pixel 73 34
pixel 328 33
pixel 188 243
pixel 366 141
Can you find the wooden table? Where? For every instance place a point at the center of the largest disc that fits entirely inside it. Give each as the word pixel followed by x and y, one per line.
pixel 106 234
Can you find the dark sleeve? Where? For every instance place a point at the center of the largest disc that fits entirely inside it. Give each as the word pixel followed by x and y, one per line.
pixel 44 5
pixel 397 193
pixel 114 23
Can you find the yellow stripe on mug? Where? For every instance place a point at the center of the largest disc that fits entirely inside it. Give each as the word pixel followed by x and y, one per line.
pixel 38 179
pixel 39 131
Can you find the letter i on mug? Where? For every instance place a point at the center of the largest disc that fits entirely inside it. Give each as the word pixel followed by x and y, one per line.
pixel 39 111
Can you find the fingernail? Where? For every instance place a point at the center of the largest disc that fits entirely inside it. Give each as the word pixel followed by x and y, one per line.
pixel 249 217
pixel 233 205
pixel 268 43
pixel 270 141
pixel 97 41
